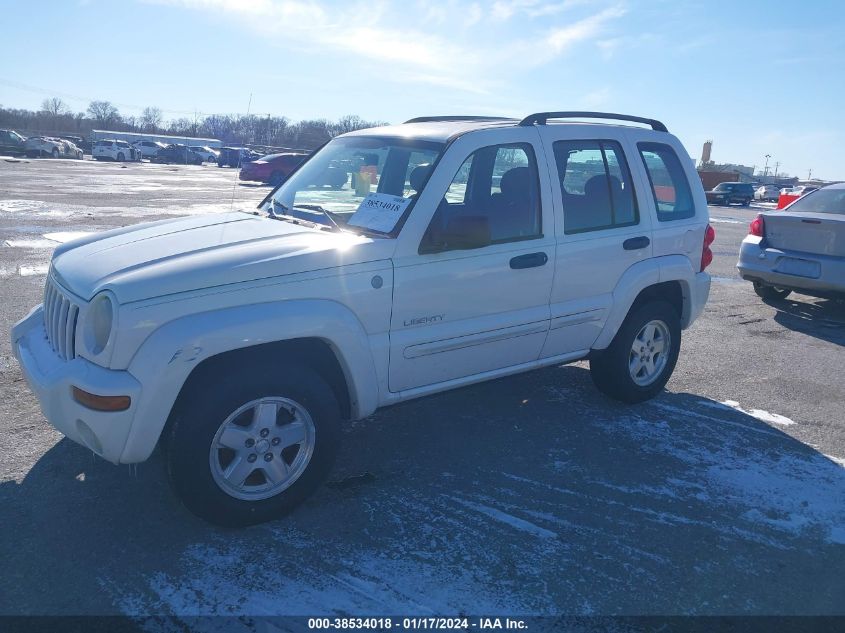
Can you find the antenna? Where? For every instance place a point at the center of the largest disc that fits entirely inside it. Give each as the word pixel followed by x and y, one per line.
pixel 235 179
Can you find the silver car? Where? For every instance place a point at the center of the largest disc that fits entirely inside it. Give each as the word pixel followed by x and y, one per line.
pixel 800 248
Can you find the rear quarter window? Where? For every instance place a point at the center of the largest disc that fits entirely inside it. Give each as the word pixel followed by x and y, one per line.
pixel 668 180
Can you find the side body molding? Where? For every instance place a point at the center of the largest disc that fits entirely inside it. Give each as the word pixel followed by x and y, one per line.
pixel 165 360
pixel 639 277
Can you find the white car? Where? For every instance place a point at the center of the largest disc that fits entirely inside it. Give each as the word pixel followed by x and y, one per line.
pixel 111 149
pixel 767 193
pixel 148 149
pixel 457 250
pixel 208 154
pixel 37 146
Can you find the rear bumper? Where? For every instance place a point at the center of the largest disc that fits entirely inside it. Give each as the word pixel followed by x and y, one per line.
pixel 52 378
pixel 760 263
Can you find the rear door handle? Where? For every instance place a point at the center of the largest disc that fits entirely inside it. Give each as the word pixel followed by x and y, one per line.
pixel 634 243
pixel 531 260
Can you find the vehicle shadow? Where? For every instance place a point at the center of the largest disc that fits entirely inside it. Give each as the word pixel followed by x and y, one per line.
pixel 821 318
pixel 531 494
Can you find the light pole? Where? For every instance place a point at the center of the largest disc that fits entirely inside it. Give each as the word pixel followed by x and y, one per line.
pixel 766 168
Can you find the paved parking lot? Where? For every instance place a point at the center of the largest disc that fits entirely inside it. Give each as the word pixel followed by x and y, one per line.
pixel 532 494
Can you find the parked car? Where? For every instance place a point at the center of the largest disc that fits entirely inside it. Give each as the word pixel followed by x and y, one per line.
pixel 800 248
pixel 78 141
pixel 47 146
pixel 242 341
pixel 148 149
pixel 726 193
pixel 802 190
pixel 235 156
pixel 11 143
pixel 177 153
pixel 113 149
pixel 272 169
pixel 208 154
pixel 767 193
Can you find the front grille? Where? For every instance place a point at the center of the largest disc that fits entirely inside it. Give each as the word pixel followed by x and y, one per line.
pixel 60 315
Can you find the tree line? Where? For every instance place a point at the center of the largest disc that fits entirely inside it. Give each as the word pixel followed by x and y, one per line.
pixel 56 118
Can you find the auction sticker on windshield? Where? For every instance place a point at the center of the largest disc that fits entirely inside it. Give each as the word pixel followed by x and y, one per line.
pixel 379 212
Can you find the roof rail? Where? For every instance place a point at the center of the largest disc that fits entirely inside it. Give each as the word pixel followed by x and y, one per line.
pixel 430 119
pixel 540 118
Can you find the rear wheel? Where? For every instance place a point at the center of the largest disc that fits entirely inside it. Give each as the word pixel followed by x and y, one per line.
pixel 247 450
pixel 642 356
pixel 771 293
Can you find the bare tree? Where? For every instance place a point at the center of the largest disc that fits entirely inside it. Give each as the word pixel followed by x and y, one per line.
pixel 55 106
pixel 103 112
pixel 151 119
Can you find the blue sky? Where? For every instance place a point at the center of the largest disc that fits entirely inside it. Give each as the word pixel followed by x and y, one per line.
pixel 755 77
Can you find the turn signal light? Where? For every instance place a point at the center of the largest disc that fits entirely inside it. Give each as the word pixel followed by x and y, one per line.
pixel 101 403
pixel 757 227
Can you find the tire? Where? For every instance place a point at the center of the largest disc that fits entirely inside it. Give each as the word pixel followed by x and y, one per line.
pixel 213 405
pixel 771 293
pixel 611 369
pixel 120 157
pixel 276 178
pixel 746 203
pixel 55 153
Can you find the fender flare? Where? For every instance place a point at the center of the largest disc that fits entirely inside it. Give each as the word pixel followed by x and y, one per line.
pixel 167 357
pixel 639 277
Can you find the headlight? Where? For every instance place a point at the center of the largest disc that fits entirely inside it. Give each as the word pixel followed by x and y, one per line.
pixel 98 323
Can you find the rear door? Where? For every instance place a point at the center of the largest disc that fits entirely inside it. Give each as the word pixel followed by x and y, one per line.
pixel 604 231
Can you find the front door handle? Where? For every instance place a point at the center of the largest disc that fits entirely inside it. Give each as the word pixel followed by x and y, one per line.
pixel 531 260
pixel 634 243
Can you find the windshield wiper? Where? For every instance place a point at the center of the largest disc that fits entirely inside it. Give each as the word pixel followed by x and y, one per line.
pixel 317 207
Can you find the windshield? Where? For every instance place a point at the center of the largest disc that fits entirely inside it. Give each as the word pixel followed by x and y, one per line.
pixel 367 177
pixel 821 201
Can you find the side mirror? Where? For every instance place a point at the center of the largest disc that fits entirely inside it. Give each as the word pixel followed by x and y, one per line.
pixel 461 233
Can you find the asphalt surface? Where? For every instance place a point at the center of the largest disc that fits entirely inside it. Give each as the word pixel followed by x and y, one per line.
pixel 532 494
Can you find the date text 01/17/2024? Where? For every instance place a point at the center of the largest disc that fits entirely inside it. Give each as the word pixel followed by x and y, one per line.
pixel 413 623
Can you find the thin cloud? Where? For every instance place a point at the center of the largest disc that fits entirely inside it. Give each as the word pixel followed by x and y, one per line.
pixel 377 31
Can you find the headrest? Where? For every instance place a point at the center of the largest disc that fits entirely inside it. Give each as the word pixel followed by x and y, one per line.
pixel 418 176
pixel 516 181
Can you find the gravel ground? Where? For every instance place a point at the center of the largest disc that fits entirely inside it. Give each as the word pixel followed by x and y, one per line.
pixel 527 495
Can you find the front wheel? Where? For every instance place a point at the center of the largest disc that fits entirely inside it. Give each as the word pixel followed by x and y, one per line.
pixel 642 356
pixel 771 293
pixel 250 449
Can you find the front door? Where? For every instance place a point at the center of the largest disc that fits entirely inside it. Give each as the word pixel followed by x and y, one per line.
pixel 462 308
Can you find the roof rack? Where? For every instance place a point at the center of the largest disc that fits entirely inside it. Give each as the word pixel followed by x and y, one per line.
pixel 430 119
pixel 540 118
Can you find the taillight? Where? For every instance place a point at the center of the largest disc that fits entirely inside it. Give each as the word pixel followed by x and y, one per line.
pixel 757 227
pixel 706 253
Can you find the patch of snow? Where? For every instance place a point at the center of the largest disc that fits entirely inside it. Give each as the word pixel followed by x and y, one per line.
pixel 29 243
pixel 66 236
pixel 508 519
pixel 760 414
pixel 37 269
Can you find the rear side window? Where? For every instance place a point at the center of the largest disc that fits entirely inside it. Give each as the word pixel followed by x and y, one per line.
pixel 595 186
pixel 672 194
pixel 821 201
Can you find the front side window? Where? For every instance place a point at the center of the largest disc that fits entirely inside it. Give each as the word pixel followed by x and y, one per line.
pixel 496 191
pixel 669 186
pixel 595 186
pixel 363 183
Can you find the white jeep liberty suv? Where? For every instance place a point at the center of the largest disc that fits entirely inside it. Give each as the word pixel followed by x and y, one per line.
pixel 457 249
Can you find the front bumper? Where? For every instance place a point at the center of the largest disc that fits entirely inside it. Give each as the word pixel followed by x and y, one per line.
pixel 825 274
pixel 52 378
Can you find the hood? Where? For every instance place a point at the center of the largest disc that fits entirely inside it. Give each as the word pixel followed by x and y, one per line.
pixel 161 258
